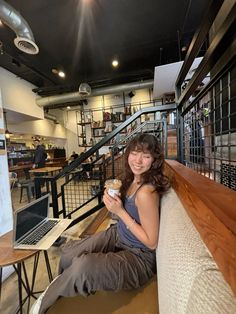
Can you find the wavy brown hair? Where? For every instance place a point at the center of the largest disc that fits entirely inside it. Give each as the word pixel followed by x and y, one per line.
pixel 155 176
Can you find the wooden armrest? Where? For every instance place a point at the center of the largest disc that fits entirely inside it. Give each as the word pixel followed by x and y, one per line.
pixel 211 207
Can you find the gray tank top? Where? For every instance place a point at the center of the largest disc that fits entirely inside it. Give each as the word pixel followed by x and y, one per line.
pixel 125 234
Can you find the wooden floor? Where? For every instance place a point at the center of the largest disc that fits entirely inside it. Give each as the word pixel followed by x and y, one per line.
pixel 139 301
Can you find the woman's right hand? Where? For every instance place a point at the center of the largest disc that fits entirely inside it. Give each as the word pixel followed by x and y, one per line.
pixel 113 204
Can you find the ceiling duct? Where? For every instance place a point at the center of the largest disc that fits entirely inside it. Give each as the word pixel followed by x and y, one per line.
pixel 51 117
pixel 84 89
pixel 71 97
pixel 25 39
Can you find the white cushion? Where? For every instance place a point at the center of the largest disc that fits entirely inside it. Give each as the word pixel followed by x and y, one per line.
pixel 185 266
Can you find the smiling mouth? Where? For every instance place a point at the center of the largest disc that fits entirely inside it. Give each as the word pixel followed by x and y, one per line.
pixel 137 167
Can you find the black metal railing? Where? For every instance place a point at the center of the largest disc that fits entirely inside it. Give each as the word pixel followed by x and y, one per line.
pixel 207 111
pixel 79 186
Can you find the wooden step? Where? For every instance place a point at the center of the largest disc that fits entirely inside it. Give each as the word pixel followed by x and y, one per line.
pixel 102 217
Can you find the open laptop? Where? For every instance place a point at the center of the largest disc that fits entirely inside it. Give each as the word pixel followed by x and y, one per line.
pixel 33 229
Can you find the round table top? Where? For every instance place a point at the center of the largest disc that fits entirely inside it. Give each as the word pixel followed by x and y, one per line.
pixel 9 255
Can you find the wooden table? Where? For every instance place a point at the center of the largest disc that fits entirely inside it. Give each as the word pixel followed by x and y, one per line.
pixel 20 169
pixel 45 170
pixel 16 258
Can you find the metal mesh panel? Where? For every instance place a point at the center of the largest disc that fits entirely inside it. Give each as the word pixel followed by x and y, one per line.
pixel 82 186
pixel 86 183
pixel 209 136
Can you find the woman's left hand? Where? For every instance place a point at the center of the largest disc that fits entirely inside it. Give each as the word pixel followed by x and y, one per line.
pixel 113 204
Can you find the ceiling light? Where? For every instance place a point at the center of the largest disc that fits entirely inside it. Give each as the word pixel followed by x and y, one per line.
pixel 7 133
pixel 68 107
pixel 115 63
pixel 61 74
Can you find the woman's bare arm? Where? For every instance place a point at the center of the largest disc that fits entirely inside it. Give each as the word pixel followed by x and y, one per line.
pixel 147 202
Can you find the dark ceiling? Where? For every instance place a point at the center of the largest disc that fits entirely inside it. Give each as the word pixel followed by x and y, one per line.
pixel 81 37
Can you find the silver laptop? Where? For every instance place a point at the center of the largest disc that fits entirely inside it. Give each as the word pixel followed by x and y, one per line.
pixel 33 229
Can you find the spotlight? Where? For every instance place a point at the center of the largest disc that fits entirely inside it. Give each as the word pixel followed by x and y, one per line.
pixel 61 74
pixel 115 63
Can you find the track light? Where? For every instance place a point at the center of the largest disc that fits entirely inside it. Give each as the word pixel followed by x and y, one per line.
pixel 7 133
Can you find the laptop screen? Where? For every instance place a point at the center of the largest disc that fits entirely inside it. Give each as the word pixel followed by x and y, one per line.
pixel 31 216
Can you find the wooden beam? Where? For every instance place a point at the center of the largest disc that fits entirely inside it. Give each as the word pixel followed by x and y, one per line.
pixel 211 207
pixel 95 223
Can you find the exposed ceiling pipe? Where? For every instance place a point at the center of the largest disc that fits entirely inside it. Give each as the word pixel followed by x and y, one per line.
pixel 25 39
pixel 70 97
pixel 50 117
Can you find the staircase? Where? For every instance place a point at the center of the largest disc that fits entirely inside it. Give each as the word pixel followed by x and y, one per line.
pixel 77 190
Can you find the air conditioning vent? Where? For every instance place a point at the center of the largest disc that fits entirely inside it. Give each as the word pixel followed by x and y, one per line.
pixel 26 45
pixel 84 89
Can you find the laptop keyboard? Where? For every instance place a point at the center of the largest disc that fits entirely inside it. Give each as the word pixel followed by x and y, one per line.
pixel 38 234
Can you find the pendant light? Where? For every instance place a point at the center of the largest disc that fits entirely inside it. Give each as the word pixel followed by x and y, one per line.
pixel 7 133
pixel 84 89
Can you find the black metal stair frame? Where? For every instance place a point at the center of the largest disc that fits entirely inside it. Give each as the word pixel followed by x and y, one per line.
pixel 106 139
pixel 67 171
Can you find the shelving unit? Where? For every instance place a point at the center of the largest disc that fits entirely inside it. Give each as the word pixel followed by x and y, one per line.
pixel 84 119
pixel 94 124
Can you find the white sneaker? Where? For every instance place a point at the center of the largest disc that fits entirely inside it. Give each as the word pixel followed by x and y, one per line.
pixel 37 304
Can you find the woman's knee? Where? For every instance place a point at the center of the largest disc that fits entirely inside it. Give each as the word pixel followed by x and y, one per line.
pixel 65 262
pixel 84 264
pixel 85 278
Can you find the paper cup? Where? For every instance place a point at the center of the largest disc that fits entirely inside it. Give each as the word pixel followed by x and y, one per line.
pixel 113 187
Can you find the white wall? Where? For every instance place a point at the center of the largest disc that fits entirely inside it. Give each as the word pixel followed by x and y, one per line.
pixel 17 95
pixel 39 127
pixel 112 100
pixel 70 121
pixel 166 75
pixel 72 143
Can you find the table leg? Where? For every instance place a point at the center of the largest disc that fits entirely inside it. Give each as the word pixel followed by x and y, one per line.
pixel 28 290
pixel 48 266
pixel 19 287
pixel 36 260
pixel 0 282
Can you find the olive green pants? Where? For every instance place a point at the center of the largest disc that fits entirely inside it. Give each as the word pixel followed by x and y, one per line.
pixel 99 262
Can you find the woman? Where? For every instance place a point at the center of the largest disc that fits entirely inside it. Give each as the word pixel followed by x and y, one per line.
pixel 122 257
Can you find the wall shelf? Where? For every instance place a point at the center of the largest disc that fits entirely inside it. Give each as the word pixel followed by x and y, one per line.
pixel 83 123
pixel 91 121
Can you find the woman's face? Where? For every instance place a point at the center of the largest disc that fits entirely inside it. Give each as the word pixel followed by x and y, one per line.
pixel 140 162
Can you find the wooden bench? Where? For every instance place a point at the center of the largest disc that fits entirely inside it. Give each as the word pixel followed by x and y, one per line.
pixel 196 254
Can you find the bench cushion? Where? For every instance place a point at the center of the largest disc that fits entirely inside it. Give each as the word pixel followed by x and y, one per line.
pixel 188 278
